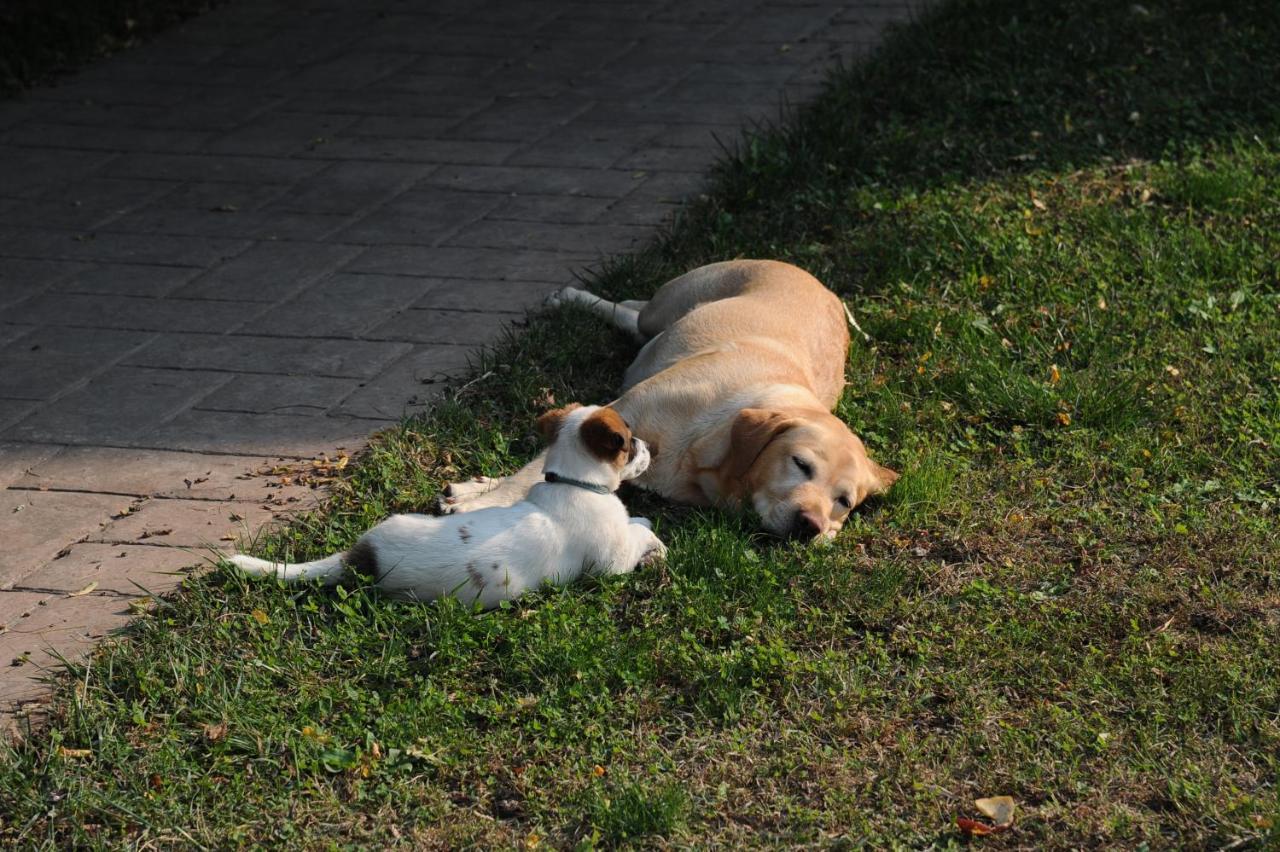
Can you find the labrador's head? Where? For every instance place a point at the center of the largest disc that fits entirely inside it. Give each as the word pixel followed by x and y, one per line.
pixel 802 469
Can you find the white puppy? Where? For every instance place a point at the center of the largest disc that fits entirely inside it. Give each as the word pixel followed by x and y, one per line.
pixel 570 524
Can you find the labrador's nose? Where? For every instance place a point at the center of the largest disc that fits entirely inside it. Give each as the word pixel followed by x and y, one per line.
pixel 806 525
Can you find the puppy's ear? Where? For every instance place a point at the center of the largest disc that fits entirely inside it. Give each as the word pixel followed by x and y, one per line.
pixel 549 424
pixel 606 434
pixel 752 431
pixel 884 478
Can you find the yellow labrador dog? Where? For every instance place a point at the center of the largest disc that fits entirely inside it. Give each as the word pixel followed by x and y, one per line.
pixel 733 391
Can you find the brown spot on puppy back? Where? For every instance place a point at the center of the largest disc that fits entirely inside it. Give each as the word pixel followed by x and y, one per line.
pixel 607 436
pixel 464 533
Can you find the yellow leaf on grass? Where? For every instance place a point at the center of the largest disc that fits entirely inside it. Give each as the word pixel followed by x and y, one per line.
pixel 259 616
pixel 63 751
pixel 999 809
pixel 1054 375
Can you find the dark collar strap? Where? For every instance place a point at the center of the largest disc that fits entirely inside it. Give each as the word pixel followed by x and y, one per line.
pixel 556 478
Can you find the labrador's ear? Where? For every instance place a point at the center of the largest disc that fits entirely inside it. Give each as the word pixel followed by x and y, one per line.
pixel 884 478
pixel 751 432
pixel 549 424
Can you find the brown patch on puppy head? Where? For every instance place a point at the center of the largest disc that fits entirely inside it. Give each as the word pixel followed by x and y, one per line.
pixel 549 424
pixel 607 436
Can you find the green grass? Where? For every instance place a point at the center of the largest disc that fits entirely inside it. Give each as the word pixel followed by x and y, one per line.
pixel 1058 221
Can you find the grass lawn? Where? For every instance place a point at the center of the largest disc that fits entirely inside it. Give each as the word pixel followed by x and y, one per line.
pixel 1060 224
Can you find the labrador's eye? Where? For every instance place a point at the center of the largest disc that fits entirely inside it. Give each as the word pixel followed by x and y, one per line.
pixel 805 467
pixel 843 500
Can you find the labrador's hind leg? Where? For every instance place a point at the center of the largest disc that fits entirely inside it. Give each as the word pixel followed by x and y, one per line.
pixel 625 315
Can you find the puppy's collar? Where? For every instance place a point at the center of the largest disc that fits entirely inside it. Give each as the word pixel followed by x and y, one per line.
pixel 556 478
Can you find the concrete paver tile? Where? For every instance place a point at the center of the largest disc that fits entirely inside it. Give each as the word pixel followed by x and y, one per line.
pixel 350 187
pixel 235 224
pixel 276 355
pixel 267 272
pixel 206 167
pixel 13 411
pixel 62 627
pixel 16 606
pixel 266 434
pixel 21 280
pixel 581 239
pixel 90 204
pixel 35 525
pixel 419 218
pixel 479 295
pixel 12 332
pixel 601 183
pixel 279 134
pixel 558 209
pixel 32 172
pixel 110 247
pixel 139 313
pixel 17 460
pixel 456 328
pixel 341 306
pixel 450 262
pixel 426 151
pixel 125 279
pixel 258 394
pixel 410 384
pixel 118 568
pixel 117 406
pixel 173 523
pixel 111 139
pixel 162 473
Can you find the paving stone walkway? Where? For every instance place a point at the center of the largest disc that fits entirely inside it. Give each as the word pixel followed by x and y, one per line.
pixel 281 226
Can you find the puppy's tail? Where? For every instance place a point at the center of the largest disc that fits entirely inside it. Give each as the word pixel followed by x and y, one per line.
pixel 329 570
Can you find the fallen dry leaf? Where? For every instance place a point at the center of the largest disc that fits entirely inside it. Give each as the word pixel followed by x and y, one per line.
pixel 63 751
pixel 213 733
pixel 153 533
pixel 259 616
pixel 998 808
pixel 86 590
pixel 974 828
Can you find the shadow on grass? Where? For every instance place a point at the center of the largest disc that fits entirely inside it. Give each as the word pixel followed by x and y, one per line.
pixel 986 89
